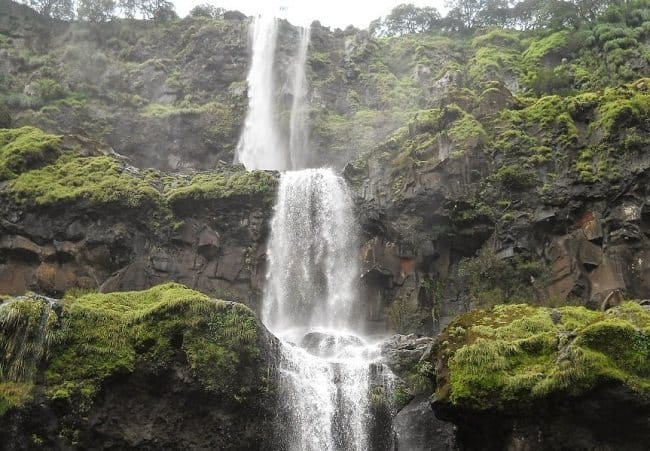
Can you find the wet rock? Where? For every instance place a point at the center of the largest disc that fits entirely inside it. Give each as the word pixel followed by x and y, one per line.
pixel 328 345
pixel 402 352
pixel 417 428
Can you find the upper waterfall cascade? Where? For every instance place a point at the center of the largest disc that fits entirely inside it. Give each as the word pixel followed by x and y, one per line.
pixel 261 145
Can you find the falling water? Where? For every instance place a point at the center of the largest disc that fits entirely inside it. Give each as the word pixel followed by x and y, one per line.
pixel 259 146
pixel 311 303
pixel 313 269
pixel 298 131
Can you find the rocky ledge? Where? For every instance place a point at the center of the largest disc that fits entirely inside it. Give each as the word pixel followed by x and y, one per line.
pixel 72 216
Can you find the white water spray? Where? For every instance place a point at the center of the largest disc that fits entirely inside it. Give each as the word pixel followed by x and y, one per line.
pixel 330 376
pixel 313 258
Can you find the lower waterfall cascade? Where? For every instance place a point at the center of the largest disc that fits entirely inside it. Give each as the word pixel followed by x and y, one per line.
pixel 331 376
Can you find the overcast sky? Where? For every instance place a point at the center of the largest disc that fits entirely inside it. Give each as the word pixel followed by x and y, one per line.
pixel 333 13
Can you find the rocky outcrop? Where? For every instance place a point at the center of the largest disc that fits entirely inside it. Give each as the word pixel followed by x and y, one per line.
pixel 522 377
pixel 167 368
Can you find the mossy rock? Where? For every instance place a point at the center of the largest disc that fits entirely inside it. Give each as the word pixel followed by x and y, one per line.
pixel 227 186
pixel 99 180
pixel 93 338
pixel 517 355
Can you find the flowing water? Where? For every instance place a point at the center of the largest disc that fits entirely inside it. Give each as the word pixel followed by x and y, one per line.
pixel 329 371
pixel 332 383
pixel 259 146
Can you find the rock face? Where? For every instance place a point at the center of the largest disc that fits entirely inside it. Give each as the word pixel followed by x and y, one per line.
pixel 415 425
pixel 215 251
pixel 109 227
pixel 417 428
pixel 183 372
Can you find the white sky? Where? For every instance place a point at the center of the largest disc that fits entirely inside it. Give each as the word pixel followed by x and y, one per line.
pixel 332 13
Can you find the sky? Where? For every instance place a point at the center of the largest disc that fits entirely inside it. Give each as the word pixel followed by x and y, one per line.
pixel 332 13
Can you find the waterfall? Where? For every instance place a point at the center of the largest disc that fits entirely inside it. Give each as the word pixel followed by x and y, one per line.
pixel 259 146
pixel 298 131
pixel 328 369
pixel 332 384
pixel 313 268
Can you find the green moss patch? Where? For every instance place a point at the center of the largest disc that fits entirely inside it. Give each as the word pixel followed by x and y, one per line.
pixel 99 180
pixel 104 336
pixel 98 337
pixel 519 354
pixel 218 186
pixel 25 148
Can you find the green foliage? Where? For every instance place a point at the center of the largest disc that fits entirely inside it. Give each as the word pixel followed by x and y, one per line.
pixel 623 107
pixel 405 19
pixel 25 148
pixel 105 336
pixel 26 333
pixel 518 354
pixel 97 180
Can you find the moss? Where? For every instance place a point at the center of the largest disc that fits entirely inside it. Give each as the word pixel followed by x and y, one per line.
pixel 14 395
pixel 466 131
pixel 519 354
pixel 539 49
pixel 221 186
pixel 106 336
pixel 25 148
pixel 624 107
pixel 98 180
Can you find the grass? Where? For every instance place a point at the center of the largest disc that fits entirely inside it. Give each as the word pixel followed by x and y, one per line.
pixel 520 354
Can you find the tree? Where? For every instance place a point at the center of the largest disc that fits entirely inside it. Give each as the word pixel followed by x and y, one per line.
pixel 207 10
pixel 406 19
pixel 466 11
pixel 159 10
pixel 57 9
pixel 96 10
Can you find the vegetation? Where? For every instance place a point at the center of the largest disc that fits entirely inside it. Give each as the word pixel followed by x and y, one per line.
pixel 26 333
pixel 520 353
pixel 42 172
pixel 216 186
pixel 98 337
pixel 96 180
pixel 25 148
